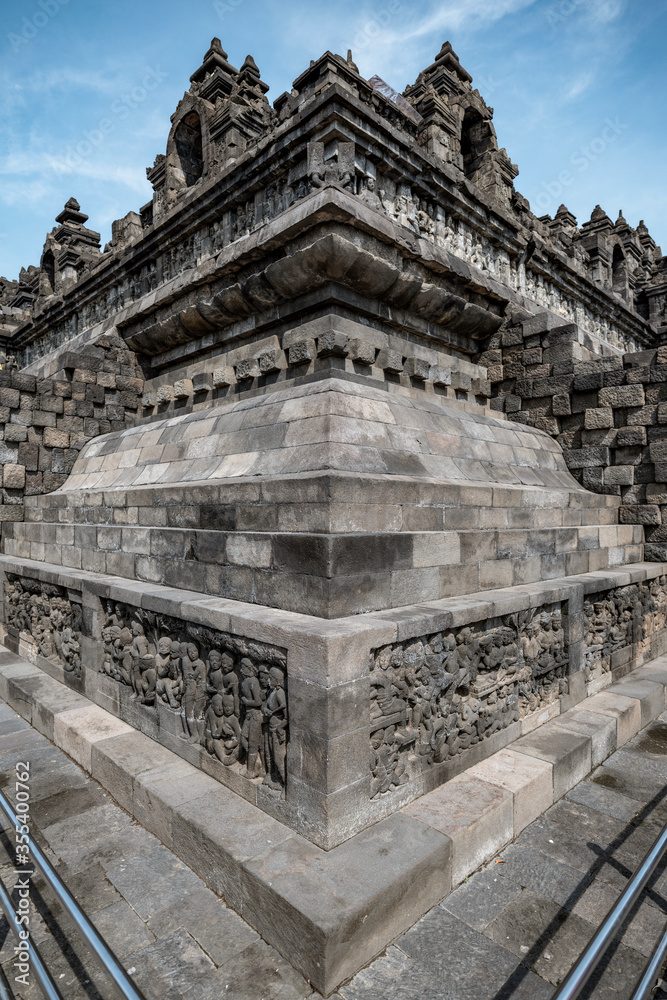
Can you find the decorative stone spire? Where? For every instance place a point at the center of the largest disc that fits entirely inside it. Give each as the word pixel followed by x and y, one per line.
pixel 564 218
pixel 216 76
pixel 71 214
pixel 445 77
pixel 448 59
pixel 620 220
pixel 249 76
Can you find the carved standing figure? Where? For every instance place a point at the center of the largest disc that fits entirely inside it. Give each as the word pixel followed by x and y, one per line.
pixel 251 699
pixel 164 684
pixel 275 714
pixel 141 658
pixel 194 694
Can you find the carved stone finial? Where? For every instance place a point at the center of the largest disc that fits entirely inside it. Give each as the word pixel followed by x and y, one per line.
pixel 448 58
pixel 249 76
pixel 216 74
pixel 72 214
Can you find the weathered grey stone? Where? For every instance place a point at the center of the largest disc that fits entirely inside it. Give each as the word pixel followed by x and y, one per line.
pixel 570 755
pixel 375 871
pixel 475 815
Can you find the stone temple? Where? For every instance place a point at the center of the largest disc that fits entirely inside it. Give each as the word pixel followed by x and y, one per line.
pixel 335 472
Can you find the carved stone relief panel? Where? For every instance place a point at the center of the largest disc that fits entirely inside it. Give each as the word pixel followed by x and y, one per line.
pixel 228 692
pixel 616 619
pixel 435 696
pixel 45 613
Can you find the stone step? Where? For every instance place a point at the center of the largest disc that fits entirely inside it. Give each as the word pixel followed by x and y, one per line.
pixel 330 912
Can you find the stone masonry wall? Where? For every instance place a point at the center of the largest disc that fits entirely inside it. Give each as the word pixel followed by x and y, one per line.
pixel 608 413
pixel 45 422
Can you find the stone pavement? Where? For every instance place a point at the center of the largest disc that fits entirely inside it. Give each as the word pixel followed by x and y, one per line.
pixel 511 931
pixel 515 927
pixel 172 933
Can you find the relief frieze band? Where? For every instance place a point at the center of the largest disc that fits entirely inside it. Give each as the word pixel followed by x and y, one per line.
pixel 44 614
pixel 223 692
pixel 618 619
pixel 436 696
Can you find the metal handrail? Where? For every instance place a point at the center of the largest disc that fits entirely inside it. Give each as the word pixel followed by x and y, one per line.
pixel 590 957
pixel 647 983
pixel 92 936
pixel 42 974
pixel 5 992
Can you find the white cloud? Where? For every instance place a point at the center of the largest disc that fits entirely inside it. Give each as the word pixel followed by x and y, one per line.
pixel 605 11
pixel 458 15
pixel 579 85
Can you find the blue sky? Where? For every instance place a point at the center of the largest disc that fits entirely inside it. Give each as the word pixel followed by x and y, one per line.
pixel 579 89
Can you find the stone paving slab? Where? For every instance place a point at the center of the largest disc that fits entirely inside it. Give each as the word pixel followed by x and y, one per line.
pixel 330 913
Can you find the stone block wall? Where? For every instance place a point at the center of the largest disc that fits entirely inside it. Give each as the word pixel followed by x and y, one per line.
pixel 45 422
pixel 609 414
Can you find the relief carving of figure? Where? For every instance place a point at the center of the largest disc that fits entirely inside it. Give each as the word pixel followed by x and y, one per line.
pixel 229 693
pixel 369 195
pixel 437 696
pixel 167 686
pixel 251 735
pixel 194 694
pixel 45 614
pixel 275 715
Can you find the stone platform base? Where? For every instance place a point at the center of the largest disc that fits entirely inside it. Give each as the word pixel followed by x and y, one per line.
pixel 331 912
pixel 350 762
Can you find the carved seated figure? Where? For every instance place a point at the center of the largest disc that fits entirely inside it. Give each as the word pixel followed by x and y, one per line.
pixel 223 732
pixel 70 649
pixel 369 195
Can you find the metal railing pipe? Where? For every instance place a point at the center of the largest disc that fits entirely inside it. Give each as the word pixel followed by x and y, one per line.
pixel 41 973
pixel 5 992
pixel 88 931
pixel 589 959
pixel 646 984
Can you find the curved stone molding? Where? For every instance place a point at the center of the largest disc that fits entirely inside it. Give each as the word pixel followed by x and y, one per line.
pixel 325 425
pixel 382 274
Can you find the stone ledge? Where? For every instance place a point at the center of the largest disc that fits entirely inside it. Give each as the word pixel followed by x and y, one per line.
pixel 331 912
